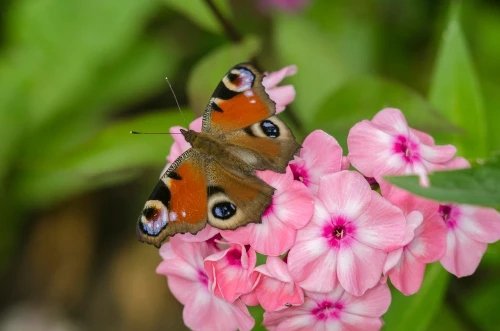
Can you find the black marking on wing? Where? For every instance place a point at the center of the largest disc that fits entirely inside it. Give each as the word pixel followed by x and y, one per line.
pixel 161 193
pixel 249 131
pixel 215 107
pixel 211 190
pixel 222 92
pixel 174 175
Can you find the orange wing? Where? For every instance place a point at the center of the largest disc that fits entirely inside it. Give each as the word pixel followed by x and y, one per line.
pixel 238 101
pixel 178 203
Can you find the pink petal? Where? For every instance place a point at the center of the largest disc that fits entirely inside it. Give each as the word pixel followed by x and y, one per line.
pixel 407 276
pixel 275 267
pixel 274 295
pixel 321 154
pixel 382 225
pixel 250 299
pixel 423 137
pixel 272 237
pixel 207 313
pixel 359 267
pixel 463 254
pixel 438 154
pixel 429 244
pixel 272 79
pixel 230 271
pixel 206 233
pixel 185 290
pixel 370 150
pixel 282 96
pixel 276 288
pixel 179 146
pixel 374 303
pixel 294 206
pixel 294 322
pixel 480 224
pixel 453 164
pixel 345 192
pixel 360 323
pixel 392 260
pixel 196 124
pixel 392 121
pixel 313 255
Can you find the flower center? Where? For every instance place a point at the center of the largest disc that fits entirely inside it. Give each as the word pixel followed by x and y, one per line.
pixel 327 310
pixel 300 173
pixel 234 257
pixel 338 230
pixel 202 277
pixel 449 215
pixel 407 149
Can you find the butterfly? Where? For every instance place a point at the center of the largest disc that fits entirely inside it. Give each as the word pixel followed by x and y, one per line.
pixel 215 181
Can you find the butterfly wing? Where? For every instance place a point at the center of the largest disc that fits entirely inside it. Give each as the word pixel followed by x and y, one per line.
pixel 268 144
pixel 235 198
pixel 178 203
pixel 196 189
pixel 238 101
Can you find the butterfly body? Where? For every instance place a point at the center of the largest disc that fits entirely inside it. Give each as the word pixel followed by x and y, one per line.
pixel 215 180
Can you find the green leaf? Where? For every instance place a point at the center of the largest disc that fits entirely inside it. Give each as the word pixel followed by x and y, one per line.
pixel 347 105
pixel 140 72
pixel 492 98
pixel 320 70
pixel 258 314
pixel 479 185
pixel 198 12
pixel 446 320
pixel 207 73
pixel 456 94
pixel 416 312
pixel 65 43
pixel 113 155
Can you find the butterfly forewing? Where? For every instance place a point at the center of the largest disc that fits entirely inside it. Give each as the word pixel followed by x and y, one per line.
pixel 239 100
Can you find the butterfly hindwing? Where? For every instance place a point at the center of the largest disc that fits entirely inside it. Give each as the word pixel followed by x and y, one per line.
pixel 238 101
pixel 235 198
pixel 178 204
pixel 268 144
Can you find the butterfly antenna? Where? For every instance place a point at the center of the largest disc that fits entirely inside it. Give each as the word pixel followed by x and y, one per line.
pixel 173 93
pixel 140 132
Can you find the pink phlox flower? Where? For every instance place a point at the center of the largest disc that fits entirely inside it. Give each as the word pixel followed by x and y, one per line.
pixel 387 146
pixel 424 240
pixel 275 288
pixel 183 264
pixel 320 155
pixel 469 231
pixel 291 209
pixel 347 241
pixel 335 310
pixel 230 271
pixel 281 95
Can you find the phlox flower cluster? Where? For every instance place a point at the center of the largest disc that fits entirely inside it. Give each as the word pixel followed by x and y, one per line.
pixel 333 237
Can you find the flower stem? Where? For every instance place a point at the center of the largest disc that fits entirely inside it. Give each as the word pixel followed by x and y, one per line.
pixel 229 29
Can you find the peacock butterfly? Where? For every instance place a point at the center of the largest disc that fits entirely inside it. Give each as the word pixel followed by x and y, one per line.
pixel 215 180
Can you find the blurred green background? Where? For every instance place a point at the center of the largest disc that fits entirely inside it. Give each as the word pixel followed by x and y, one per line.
pixel 77 75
